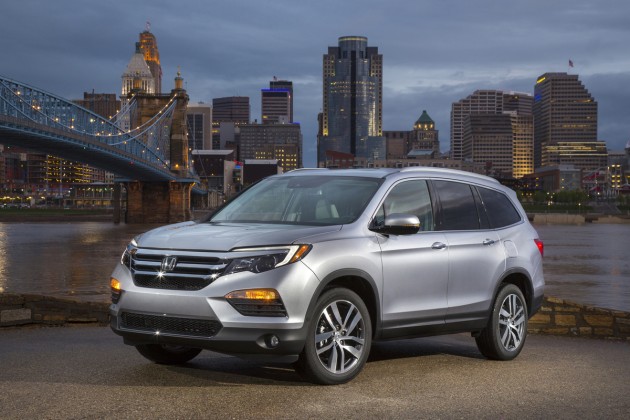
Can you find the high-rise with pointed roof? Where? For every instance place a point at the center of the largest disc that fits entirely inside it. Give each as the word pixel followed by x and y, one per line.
pixel 352 120
pixel 424 135
pixel 149 48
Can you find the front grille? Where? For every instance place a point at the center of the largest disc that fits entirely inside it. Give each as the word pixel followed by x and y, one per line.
pixel 170 325
pixel 190 272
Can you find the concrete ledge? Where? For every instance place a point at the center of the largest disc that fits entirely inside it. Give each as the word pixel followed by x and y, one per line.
pixel 35 309
pixel 562 317
pixel 556 316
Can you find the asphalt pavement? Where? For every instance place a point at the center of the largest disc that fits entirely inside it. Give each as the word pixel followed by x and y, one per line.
pixel 87 372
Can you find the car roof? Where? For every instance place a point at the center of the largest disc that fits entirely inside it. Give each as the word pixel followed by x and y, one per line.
pixel 385 172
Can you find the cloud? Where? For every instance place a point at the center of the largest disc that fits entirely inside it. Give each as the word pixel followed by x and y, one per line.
pixel 434 52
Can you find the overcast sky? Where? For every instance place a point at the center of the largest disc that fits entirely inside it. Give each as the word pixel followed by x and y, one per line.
pixel 434 52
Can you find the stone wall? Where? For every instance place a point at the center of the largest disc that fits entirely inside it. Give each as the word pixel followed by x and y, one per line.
pixel 34 309
pixel 556 316
pixel 561 317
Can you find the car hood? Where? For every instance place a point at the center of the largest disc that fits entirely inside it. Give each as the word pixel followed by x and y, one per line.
pixel 225 236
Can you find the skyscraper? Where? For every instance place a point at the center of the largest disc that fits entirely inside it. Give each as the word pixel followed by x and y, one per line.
pixel 565 122
pixel 481 101
pixel 230 109
pixel 494 128
pixel 199 126
pixel 277 102
pixel 148 45
pixel 488 139
pixel 352 120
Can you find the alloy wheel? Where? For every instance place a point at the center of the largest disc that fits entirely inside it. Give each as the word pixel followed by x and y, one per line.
pixel 511 322
pixel 340 336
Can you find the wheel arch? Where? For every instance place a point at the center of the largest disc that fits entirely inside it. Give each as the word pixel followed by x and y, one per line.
pixel 360 283
pixel 521 280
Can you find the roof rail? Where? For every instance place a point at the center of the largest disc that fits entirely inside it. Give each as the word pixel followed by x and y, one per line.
pixel 447 170
pixel 307 169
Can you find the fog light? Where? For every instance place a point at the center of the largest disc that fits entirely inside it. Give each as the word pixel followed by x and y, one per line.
pixel 273 341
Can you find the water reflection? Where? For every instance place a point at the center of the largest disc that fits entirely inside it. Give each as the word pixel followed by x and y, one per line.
pixel 3 253
pixel 588 264
pixel 61 259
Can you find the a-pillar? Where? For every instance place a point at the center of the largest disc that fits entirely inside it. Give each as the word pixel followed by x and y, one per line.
pixel 158 202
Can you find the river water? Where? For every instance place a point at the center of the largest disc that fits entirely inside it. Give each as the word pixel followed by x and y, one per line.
pixel 587 264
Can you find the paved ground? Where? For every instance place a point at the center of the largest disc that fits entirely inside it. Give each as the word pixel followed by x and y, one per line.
pixel 86 372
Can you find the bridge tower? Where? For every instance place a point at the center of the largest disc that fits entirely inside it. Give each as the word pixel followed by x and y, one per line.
pixel 160 201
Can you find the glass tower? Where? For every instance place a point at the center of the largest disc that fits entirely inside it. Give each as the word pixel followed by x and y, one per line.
pixel 352 100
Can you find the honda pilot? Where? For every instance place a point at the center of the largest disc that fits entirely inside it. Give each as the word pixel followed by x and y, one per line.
pixel 315 265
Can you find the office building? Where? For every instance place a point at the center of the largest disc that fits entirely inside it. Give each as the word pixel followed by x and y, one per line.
pixel 565 114
pixel 480 102
pixel 487 139
pixel 506 149
pixel 424 135
pixel 199 126
pixel 352 119
pixel 103 104
pixel 281 142
pixel 231 109
pixel 422 141
pixel 522 144
pixel 277 102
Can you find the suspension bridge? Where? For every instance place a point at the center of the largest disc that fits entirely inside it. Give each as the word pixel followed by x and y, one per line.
pixel 145 145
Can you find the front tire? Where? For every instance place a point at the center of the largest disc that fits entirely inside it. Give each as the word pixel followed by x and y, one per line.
pixel 167 355
pixel 504 336
pixel 339 339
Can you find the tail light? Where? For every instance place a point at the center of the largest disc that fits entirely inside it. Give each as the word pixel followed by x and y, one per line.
pixel 541 247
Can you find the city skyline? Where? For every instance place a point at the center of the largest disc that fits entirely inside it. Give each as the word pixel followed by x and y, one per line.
pixel 434 54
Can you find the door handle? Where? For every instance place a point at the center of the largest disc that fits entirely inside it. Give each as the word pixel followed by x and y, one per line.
pixel 488 242
pixel 438 245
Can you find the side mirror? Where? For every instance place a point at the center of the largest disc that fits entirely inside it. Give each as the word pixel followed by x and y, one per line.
pixel 399 224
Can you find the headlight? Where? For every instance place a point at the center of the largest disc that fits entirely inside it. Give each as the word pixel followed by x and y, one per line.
pixel 270 258
pixel 130 250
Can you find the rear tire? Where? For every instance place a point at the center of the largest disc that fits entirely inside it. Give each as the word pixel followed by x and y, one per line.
pixel 504 336
pixel 338 340
pixel 167 355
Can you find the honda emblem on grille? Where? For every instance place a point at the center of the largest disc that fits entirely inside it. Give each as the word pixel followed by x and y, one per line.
pixel 168 263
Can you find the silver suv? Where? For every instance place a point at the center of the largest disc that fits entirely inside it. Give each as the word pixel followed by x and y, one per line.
pixel 316 264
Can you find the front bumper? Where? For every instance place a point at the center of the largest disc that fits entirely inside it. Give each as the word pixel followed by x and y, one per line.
pixel 205 319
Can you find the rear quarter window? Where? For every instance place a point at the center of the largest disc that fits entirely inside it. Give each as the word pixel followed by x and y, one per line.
pixel 499 208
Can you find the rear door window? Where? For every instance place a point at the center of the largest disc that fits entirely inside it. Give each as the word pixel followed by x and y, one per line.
pixel 458 210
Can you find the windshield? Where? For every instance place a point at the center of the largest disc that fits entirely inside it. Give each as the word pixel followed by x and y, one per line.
pixel 303 200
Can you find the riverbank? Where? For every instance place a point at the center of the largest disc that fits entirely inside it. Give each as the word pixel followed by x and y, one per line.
pixel 576 219
pixel 556 316
pixel 54 215
pixel 74 215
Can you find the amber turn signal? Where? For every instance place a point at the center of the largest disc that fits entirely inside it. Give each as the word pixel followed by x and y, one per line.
pixel 115 284
pixel 254 294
